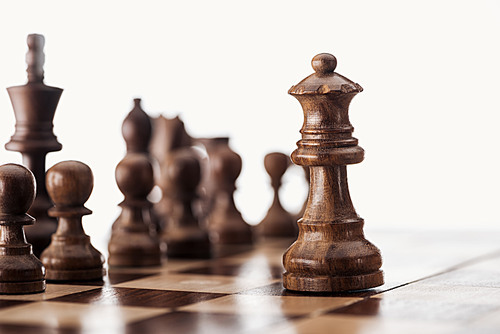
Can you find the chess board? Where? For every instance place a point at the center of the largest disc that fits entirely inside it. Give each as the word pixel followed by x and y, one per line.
pixel 436 282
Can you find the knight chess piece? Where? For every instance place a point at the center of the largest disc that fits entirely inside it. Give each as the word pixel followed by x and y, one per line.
pixel 225 223
pixel 331 252
pixel 20 271
pixel 132 242
pixel 183 235
pixel 70 256
pixel 34 107
pixel 277 222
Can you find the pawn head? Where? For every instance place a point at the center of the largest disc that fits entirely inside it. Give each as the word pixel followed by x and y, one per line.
pixel 183 170
pixel 69 183
pixel 17 189
pixel 134 176
pixel 276 164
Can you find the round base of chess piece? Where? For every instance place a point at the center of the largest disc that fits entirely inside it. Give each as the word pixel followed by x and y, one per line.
pixel 72 259
pixel 187 242
pixel 278 223
pixel 332 257
pixel 241 235
pixel 127 249
pixel 20 271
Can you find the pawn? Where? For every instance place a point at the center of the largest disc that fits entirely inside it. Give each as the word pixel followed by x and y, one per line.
pixel 20 271
pixel 183 235
pixel 132 242
pixel 225 224
pixel 70 256
pixel 278 222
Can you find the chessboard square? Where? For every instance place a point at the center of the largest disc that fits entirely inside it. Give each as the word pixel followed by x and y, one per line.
pixel 103 318
pixel 277 289
pixel 196 283
pixel 189 322
pixel 355 325
pixel 30 329
pixel 138 297
pixel 51 291
pixel 287 306
pixel 246 270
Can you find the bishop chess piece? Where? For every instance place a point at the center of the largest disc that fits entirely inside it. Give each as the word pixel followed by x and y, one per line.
pixel 137 132
pixel 183 234
pixel 331 252
pixel 225 224
pixel 70 256
pixel 34 107
pixel 277 222
pixel 132 242
pixel 20 271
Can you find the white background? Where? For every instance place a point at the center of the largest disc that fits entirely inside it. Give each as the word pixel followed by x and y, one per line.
pixel 428 118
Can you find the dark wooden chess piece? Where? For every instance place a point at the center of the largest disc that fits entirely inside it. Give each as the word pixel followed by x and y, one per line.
pixel 137 132
pixel 277 222
pixel 331 252
pixel 225 223
pixel 34 106
pixel 70 256
pixel 169 135
pixel 132 242
pixel 20 271
pixel 183 234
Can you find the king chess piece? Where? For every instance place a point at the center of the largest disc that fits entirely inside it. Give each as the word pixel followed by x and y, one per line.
pixel 20 271
pixel 34 107
pixel 277 222
pixel 70 256
pixel 331 252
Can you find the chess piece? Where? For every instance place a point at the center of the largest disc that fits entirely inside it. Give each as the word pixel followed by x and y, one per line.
pixel 34 106
pixel 277 222
pixel 137 131
pixel 183 235
pixel 20 271
pixel 169 135
pixel 70 256
pixel 225 224
pixel 331 252
pixel 132 242
pixel 303 209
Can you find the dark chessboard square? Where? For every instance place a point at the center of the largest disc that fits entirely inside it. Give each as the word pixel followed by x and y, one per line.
pixel 25 329
pixel 110 279
pixel 9 303
pixel 138 297
pixel 242 270
pixel 276 289
pixel 188 322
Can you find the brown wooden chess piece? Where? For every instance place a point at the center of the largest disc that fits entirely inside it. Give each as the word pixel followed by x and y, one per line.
pixel 34 106
pixel 331 252
pixel 132 242
pixel 225 224
pixel 183 234
pixel 70 256
pixel 277 222
pixel 20 271
pixel 137 132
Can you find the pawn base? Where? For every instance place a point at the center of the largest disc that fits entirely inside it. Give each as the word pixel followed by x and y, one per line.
pixel 332 283
pixel 131 260
pixel 17 288
pixel 75 275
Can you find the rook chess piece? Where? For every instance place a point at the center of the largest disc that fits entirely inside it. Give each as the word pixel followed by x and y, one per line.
pixel 331 252
pixel 132 242
pixel 183 234
pixel 225 224
pixel 278 222
pixel 20 271
pixel 34 106
pixel 70 256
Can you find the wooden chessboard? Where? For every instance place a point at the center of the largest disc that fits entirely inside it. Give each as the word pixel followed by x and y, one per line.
pixel 445 282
